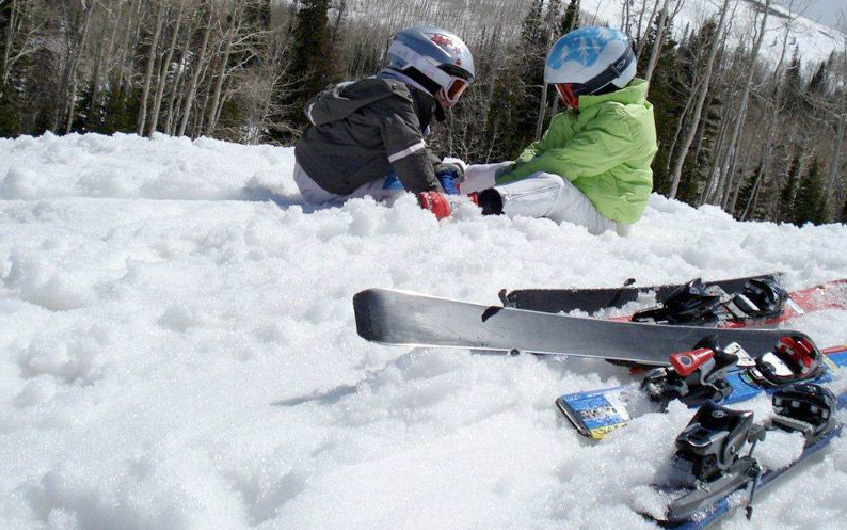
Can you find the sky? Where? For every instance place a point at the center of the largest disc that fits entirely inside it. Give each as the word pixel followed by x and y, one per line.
pixel 823 11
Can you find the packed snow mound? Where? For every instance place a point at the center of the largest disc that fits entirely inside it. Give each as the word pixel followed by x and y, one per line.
pixel 178 350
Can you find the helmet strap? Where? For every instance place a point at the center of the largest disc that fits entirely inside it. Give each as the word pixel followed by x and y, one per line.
pixel 603 80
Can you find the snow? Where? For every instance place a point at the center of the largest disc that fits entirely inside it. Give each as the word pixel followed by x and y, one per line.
pixel 178 350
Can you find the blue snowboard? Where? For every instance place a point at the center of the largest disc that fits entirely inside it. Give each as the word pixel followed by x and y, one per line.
pixel 595 413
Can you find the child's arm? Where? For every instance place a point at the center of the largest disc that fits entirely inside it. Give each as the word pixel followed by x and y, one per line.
pixel 597 149
pixel 529 153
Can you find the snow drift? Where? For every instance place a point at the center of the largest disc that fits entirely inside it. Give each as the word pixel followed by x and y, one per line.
pixel 177 350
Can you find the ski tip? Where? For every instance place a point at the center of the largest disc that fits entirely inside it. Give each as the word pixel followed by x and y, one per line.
pixel 369 313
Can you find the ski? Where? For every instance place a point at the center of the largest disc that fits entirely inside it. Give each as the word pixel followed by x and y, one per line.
pixel 404 318
pixel 829 295
pixel 592 300
pixel 595 413
pixel 715 470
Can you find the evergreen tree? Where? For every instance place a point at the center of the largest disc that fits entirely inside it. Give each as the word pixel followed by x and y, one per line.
pixel 666 96
pixel 553 8
pixel 809 203
pixel 844 213
pixel 819 84
pixel 515 106
pixel 570 20
pixel 532 32
pixel 258 13
pixel 691 62
pixel 793 85
pixel 785 212
pixel 311 60
pixel 745 191
pixel 8 117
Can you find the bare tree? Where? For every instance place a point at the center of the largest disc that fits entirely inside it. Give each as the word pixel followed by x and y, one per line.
pixel 151 63
pixel 75 40
pixel 163 71
pixel 841 112
pixel 198 68
pixel 701 100
pixel 215 103
pixel 765 159
pixel 717 180
pixel 665 19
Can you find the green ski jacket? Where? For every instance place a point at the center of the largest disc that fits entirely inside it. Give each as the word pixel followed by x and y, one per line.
pixel 605 148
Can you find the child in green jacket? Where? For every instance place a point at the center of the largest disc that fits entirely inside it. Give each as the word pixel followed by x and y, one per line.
pixel 592 166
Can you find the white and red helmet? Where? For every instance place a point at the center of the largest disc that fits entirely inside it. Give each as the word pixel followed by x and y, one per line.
pixel 433 57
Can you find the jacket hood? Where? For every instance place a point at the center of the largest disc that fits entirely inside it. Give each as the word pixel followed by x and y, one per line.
pixel 634 92
pixel 340 101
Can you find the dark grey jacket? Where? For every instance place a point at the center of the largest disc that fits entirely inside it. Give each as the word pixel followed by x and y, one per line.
pixel 359 130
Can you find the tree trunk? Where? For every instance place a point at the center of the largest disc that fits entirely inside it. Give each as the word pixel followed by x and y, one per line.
pixel 66 101
pixel 679 125
pixel 701 100
pixel 176 86
pixel 836 153
pixel 111 51
pixel 765 159
pixel 742 109
pixel 124 49
pixel 192 89
pixel 94 86
pixel 7 50
pixel 657 46
pixel 212 119
pixel 720 145
pixel 163 72
pixel 148 74
pixel 642 33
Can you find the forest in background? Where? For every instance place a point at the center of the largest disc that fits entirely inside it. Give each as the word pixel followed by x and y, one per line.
pixel 762 141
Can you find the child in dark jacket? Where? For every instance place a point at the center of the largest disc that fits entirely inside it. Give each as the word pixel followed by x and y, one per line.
pixel 367 137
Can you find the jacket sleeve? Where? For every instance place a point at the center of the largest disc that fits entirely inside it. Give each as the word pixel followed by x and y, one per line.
pixel 529 153
pixel 406 149
pixel 604 144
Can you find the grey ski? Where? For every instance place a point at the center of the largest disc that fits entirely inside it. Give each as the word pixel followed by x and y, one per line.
pixel 592 300
pixel 398 317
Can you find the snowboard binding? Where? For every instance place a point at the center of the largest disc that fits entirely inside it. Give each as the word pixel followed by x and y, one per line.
pixel 700 375
pixel 805 408
pixel 709 451
pixel 692 304
pixel 695 304
pixel 792 360
pixel 713 439
pixel 696 376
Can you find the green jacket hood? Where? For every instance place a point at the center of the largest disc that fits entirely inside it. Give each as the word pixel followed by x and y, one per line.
pixel 340 101
pixel 633 93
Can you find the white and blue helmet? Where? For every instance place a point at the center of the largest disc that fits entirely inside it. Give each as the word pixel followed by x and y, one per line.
pixel 593 59
pixel 434 58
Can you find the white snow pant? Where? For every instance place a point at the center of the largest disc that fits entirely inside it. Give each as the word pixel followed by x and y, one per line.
pixel 541 195
pixel 313 194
